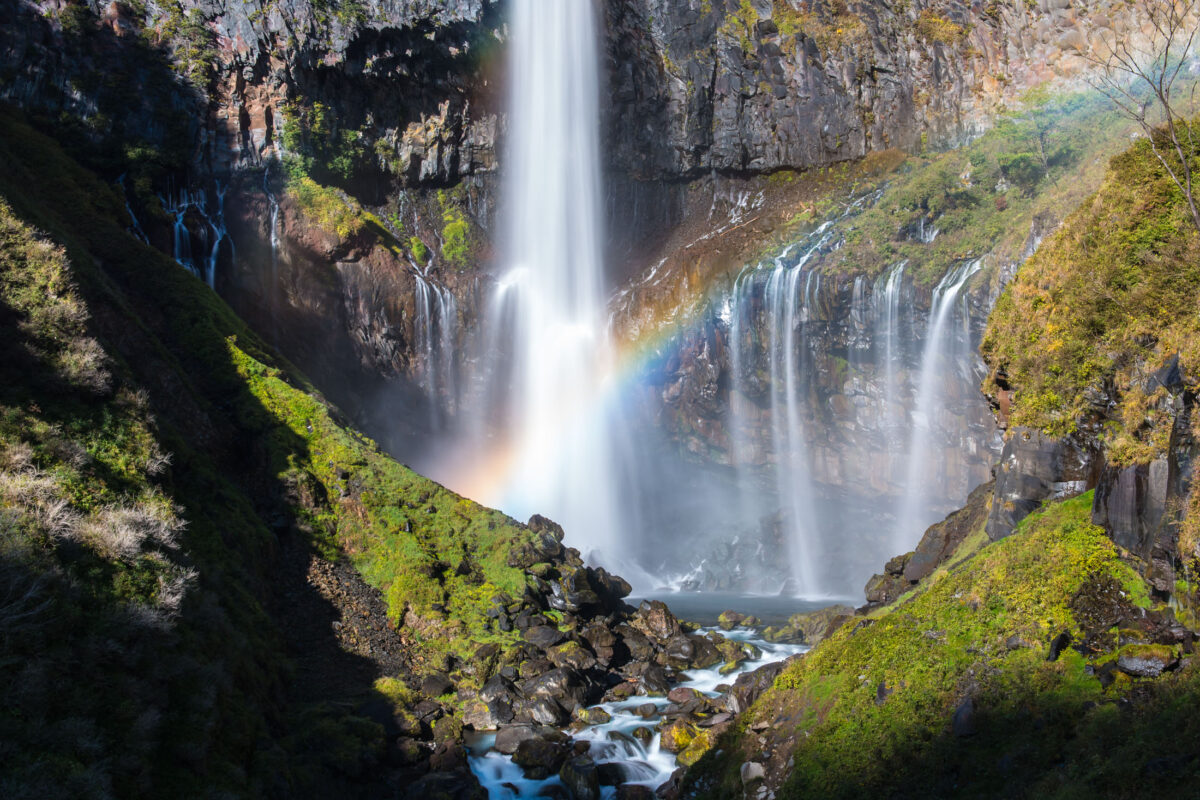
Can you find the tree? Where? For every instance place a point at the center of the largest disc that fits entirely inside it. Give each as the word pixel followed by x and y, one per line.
pixel 1137 77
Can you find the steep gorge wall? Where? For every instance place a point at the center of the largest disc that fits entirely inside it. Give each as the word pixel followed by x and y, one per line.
pixel 397 108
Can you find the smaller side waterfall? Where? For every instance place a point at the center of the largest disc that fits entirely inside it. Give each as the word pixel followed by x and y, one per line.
pixel 434 324
pixel 136 229
pixel 211 236
pixel 921 469
pixel 889 354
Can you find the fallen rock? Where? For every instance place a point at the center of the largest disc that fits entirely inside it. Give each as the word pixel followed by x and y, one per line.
pixel 540 758
pixel 752 771
pixel 509 738
pixel 1146 660
pixel 581 778
pixel 963 723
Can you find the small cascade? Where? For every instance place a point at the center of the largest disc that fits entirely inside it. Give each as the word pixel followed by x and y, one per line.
pixel 434 324
pixel 888 352
pixel 921 470
pixel 220 234
pixel 136 229
pixel 214 231
pixel 615 743
pixel 781 296
pixel 273 204
pixel 926 231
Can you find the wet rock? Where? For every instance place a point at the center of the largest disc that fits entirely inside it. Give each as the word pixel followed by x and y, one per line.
pixel 543 637
pixel 728 620
pixel 593 716
pixel 510 737
pixel 676 736
pixel 540 758
pixel 646 710
pixel 643 735
pixel 581 778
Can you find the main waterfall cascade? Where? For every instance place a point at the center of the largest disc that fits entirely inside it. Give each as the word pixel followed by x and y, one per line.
pixel 816 399
pixel 541 418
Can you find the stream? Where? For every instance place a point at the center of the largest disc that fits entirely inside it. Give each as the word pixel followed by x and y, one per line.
pixel 641 760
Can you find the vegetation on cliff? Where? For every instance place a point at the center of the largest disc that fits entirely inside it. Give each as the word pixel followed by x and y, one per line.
pixel 1101 308
pixel 156 460
pixel 940 693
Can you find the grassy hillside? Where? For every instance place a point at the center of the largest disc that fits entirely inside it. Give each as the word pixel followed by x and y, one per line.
pixel 1100 308
pixel 155 461
pixel 959 689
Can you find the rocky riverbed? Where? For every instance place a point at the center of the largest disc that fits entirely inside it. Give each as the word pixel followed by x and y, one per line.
pixel 630 745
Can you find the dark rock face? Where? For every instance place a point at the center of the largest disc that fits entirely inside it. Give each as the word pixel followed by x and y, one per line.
pixel 1141 505
pixel 1035 467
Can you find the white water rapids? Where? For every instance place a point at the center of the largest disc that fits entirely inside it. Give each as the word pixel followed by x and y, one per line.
pixel 613 742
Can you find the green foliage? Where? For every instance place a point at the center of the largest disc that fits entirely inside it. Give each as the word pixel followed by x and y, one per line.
pixel 168 618
pixel 1023 169
pixel 193 42
pixel 938 30
pixel 456 231
pixel 418 249
pixel 956 192
pixel 952 638
pixel 317 145
pixel 330 209
pixel 1103 305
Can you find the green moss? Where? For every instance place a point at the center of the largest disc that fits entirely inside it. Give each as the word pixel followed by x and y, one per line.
pixel 950 638
pixel 1102 305
pixel 331 210
pixel 456 231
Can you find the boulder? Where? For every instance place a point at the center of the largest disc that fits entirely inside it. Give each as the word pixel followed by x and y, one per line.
pixel 752 771
pixel 510 737
pixel 543 637
pixel 1146 660
pixel 571 654
pixel 540 758
pixel 581 778
pixel 654 619
pixel 747 688
pixel 634 791
pixel 453 785
pixel 436 685
pixel 728 620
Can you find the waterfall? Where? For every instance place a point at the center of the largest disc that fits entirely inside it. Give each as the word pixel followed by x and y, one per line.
pixel 434 324
pixel 888 289
pixel 921 470
pixel 785 293
pixel 274 206
pixel 136 228
pixel 547 344
pixel 214 230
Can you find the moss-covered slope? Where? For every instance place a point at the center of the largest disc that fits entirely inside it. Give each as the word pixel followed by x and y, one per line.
pixel 1008 675
pixel 1100 308
pixel 156 464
